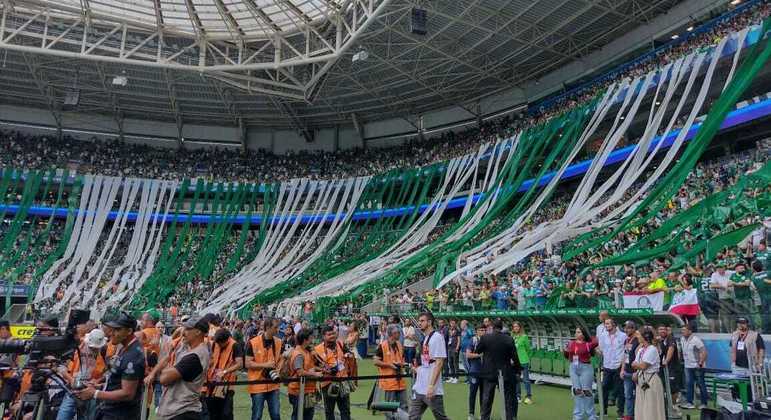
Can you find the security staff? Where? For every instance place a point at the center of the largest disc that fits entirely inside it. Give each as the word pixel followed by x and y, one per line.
pixel 227 357
pixel 121 397
pixel 389 359
pixel 263 355
pixel 333 357
pixel 301 363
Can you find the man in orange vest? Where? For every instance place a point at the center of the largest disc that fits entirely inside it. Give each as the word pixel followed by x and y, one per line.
pixel 389 359
pixel 263 358
pixel 227 358
pixel 150 337
pixel 302 363
pixel 333 356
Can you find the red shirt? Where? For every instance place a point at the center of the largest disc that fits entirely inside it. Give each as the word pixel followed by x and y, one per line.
pixel 582 350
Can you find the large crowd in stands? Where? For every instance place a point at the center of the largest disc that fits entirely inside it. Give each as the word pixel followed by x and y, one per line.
pixel 20 150
pixel 543 281
pixel 526 285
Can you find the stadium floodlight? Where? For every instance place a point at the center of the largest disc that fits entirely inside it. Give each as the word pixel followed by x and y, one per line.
pixel 362 55
pixel 120 80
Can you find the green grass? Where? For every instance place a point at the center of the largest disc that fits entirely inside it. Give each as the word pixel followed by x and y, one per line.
pixel 549 402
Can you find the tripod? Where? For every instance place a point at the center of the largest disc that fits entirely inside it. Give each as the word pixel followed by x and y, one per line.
pixel 35 401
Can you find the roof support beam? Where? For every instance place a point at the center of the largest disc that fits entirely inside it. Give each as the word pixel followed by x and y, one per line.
pixel 45 91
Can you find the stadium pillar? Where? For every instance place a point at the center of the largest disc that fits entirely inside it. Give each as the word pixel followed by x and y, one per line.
pixel 359 130
pixel 336 145
pixel 242 134
pixel 180 139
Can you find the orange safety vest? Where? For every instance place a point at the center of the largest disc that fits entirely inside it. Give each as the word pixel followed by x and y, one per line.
pixel 110 350
pixel 151 335
pixel 332 358
pixel 391 356
pixel 293 388
pixel 173 350
pixel 99 368
pixel 221 359
pixel 263 355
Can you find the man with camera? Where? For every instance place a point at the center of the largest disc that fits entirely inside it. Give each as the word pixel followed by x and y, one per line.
pixel 301 363
pixel 389 359
pixel 87 366
pixel 226 359
pixel 263 358
pixel 332 357
pixel 182 382
pixel 121 397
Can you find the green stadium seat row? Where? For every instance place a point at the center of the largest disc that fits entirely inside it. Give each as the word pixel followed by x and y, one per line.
pixel 553 362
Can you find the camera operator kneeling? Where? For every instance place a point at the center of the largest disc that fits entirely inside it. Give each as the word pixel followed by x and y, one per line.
pixel 121 398
pixel 182 383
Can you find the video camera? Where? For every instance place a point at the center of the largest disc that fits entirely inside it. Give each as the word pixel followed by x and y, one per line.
pixel 48 343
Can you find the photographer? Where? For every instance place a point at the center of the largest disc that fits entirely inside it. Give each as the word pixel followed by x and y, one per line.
pixel 301 363
pixel 88 365
pixel 8 361
pixel 263 355
pixel 182 382
pixel 649 396
pixel 121 398
pixel 226 359
pixel 389 359
pixel 331 356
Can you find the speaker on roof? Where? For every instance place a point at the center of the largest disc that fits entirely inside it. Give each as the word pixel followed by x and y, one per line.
pixel 419 21
pixel 71 98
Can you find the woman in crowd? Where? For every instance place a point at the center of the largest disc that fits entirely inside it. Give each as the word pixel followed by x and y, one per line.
pixel 649 396
pixel 522 342
pixel 579 352
pixel 353 338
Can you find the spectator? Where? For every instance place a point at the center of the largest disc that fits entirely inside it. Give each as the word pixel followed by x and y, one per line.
pixel 694 360
pixel 500 365
pixel 579 352
pixel 474 371
pixel 649 395
pixel 522 343
pixel 747 349
pixel 611 347
pixel 630 351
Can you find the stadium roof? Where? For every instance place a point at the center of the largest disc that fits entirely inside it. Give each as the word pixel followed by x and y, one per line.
pixel 289 63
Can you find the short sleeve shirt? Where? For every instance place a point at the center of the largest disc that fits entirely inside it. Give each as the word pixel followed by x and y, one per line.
pixel 128 365
pixel 433 348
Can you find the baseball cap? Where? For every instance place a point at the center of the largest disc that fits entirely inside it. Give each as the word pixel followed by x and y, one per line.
pixel 123 320
pixel 95 339
pixel 198 323
pixel 742 320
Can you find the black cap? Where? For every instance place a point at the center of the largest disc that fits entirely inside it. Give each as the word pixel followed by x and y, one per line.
pixel 123 320
pixel 222 335
pixel 199 323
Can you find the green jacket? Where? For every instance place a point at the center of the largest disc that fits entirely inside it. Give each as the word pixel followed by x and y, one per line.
pixel 523 348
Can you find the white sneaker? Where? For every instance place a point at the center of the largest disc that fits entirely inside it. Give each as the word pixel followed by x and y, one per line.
pixel 702 406
pixel 687 406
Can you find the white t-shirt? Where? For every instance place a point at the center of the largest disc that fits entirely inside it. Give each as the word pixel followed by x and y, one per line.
pixel 692 348
pixel 612 347
pixel 717 279
pixel 298 327
pixel 407 333
pixel 342 333
pixel 437 349
pixel 649 355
